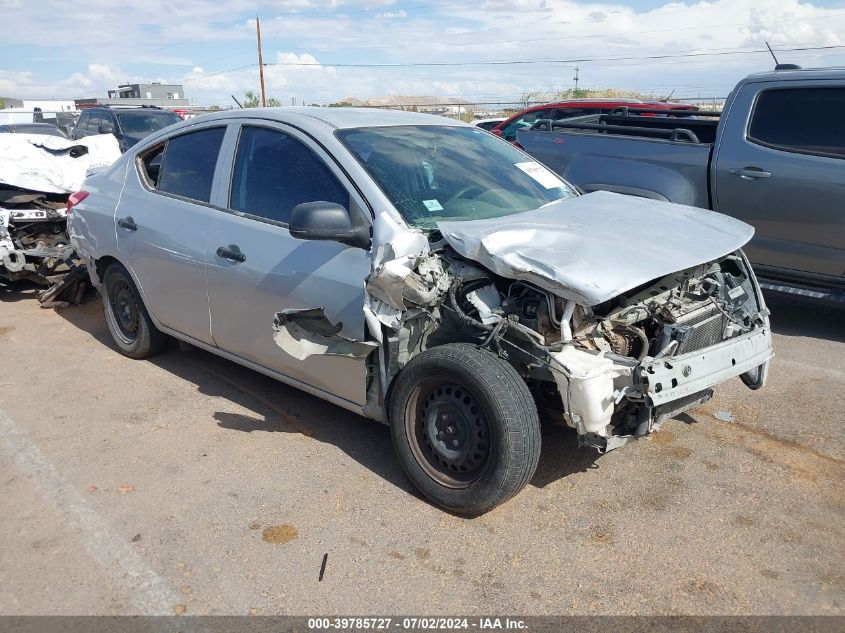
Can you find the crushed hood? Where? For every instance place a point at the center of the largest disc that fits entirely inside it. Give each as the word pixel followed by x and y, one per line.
pixel 594 247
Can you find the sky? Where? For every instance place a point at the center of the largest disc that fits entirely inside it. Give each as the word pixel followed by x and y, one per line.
pixel 321 51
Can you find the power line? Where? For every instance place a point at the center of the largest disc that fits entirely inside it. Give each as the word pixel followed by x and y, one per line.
pixel 552 63
pixel 575 60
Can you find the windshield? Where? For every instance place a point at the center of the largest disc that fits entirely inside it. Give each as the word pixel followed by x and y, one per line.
pixel 433 173
pixel 143 123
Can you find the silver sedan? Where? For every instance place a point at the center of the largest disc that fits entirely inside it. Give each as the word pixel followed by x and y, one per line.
pixel 426 274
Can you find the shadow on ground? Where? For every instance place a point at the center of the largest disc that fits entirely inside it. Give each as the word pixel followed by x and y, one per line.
pixel 798 316
pixel 278 408
pixel 19 291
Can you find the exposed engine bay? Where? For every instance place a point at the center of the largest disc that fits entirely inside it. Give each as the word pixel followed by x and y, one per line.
pixel 33 237
pixel 592 364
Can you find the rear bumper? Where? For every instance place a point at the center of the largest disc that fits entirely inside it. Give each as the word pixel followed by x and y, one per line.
pixel 675 378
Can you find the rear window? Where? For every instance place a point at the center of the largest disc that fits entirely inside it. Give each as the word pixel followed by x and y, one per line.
pixel 49 130
pixel 187 168
pixel 803 120
pixel 142 123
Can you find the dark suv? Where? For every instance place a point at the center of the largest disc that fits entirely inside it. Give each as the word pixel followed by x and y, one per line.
pixel 129 125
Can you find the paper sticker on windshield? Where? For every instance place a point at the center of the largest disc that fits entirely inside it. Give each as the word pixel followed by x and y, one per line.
pixel 432 205
pixel 540 174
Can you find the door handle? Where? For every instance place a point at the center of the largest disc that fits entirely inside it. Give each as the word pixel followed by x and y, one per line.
pixel 127 223
pixel 750 173
pixel 231 252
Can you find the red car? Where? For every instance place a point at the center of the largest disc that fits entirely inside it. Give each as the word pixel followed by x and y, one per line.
pixel 576 107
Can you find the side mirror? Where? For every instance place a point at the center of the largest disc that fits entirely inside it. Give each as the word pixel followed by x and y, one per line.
pixel 327 221
pixel 106 128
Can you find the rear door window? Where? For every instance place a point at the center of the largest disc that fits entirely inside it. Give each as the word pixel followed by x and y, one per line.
pixel 187 168
pixel 84 123
pixel 274 172
pixel 802 120
pixel 95 122
pixel 523 122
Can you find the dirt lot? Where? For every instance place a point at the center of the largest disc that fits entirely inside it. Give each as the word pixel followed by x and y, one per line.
pixel 187 484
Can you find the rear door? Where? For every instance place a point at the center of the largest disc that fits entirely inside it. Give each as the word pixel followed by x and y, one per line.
pixel 274 169
pixel 782 169
pixel 162 225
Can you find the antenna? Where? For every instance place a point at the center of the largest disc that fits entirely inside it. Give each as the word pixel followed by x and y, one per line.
pixel 666 100
pixel 778 65
pixel 772 53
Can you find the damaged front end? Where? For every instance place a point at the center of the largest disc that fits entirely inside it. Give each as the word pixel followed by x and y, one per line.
pixel 38 174
pixel 617 370
pixel 658 350
pixel 33 238
pixel 613 365
pixel 612 371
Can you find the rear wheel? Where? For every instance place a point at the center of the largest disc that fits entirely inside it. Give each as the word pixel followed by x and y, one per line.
pixel 465 428
pixel 128 320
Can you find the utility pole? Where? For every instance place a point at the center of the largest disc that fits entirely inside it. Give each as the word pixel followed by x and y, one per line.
pixel 260 62
pixel 576 80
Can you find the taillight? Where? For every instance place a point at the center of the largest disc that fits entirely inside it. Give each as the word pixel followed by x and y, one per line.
pixel 75 199
pixel 518 146
pixel 497 131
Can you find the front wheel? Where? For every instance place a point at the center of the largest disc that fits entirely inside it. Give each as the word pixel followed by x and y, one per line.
pixel 465 428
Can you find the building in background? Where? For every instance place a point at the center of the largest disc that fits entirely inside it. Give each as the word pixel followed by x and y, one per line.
pixel 154 90
pixel 43 105
pixel 153 94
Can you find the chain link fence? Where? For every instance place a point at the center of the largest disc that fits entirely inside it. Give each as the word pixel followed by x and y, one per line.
pixel 473 111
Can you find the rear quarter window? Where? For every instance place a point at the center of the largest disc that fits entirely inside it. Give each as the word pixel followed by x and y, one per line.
pixel 801 120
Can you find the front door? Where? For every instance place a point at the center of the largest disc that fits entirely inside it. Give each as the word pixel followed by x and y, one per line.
pixel 162 225
pixel 274 170
pixel 782 170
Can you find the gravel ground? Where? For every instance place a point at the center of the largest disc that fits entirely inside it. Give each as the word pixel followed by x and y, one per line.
pixel 187 484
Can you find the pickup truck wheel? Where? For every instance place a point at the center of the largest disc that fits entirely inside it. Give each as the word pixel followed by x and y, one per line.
pixel 465 428
pixel 128 320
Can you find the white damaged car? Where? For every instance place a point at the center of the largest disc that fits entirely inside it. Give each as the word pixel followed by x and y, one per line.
pixel 426 274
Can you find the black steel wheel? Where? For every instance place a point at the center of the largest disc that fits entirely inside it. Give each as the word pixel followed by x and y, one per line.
pixel 465 427
pixel 126 316
pixel 448 431
pixel 123 309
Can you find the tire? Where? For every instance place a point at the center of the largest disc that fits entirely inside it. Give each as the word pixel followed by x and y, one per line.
pixel 126 316
pixel 465 428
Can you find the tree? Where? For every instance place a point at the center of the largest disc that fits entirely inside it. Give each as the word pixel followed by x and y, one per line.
pixel 252 100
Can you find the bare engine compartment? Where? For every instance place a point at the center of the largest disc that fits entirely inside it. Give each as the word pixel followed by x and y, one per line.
pixel 33 237
pixel 587 362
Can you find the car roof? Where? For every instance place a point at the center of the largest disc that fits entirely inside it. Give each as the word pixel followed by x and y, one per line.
pixel 833 72
pixel 338 118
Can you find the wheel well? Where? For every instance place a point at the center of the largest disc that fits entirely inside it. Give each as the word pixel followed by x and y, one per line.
pixel 102 265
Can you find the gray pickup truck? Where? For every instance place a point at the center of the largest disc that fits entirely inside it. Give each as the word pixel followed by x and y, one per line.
pixel 775 158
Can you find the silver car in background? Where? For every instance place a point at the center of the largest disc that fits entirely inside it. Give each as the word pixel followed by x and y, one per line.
pixel 426 274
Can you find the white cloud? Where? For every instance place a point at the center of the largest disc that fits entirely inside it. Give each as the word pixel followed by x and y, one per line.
pixel 392 15
pixel 172 40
